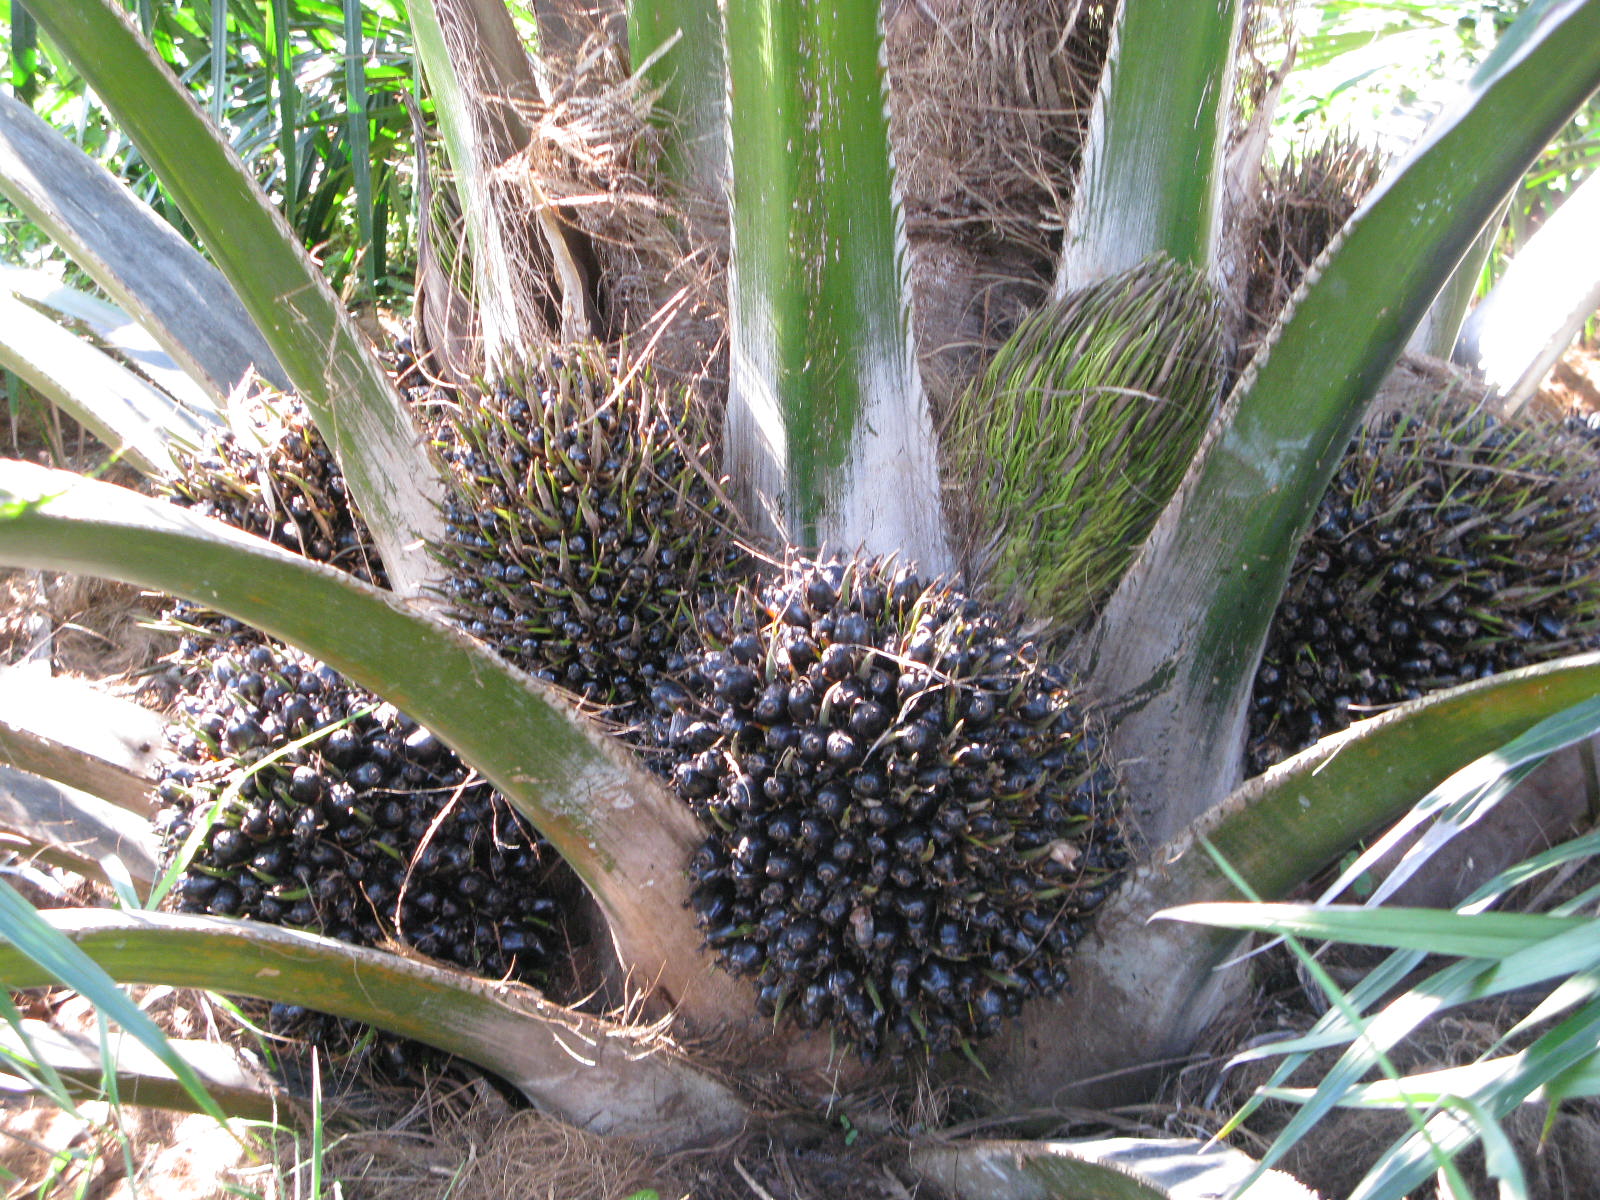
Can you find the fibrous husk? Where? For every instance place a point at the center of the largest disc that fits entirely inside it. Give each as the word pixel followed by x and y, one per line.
pixel 651 260
pixel 1068 447
pixel 988 107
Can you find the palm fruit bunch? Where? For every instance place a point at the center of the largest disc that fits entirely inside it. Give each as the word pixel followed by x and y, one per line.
pixel 1079 431
pixel 294 798
pixel 909 821
pixel 1449 547
pixel 585 529
pixel 278 479
pixel 1305 200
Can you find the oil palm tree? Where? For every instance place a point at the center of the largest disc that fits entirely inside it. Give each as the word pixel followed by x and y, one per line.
pixel 830 436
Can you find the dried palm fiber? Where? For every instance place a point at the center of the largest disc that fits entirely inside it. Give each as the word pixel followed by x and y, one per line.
pixel 1450 546
pixel 650 259
pixel 585 529
pixel 1305 200
pixel 1079 430
pixel 909 820
pixel 987 106
pixel 482 1149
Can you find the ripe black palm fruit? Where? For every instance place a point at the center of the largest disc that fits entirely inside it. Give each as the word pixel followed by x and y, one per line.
pixel 585 530
pixel 1448 548
pixel 371 832
pixel 909 820
pixel 289 490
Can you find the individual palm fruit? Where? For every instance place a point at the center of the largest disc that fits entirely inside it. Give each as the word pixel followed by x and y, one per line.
pixel 1449 547
pixel 279 481
pixel 1080 430
pixel 585 529
pixel 297 799
pixel 909 821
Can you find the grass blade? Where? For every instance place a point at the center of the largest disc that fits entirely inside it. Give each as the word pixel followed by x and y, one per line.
pixel 1473 935
pixel 357 131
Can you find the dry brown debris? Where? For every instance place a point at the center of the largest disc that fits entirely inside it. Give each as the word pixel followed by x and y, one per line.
pixel 1305 201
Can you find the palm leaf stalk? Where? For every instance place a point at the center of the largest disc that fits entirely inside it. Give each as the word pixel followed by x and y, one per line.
pixel 34 947
pixel 1527 321
pixel 593 1072
pixel 135 419
pixel 138 1076
pixel 351 398
pixel 690 73
pixel 219 61
pixel 1440 328
pixel 109 326
pixel 829 433
pixel 76 829
pixel 139 259
pixel 65 730
pixel 1177 645
pixel 1152 174
pixel 1134 1018
pixel 1113 1168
